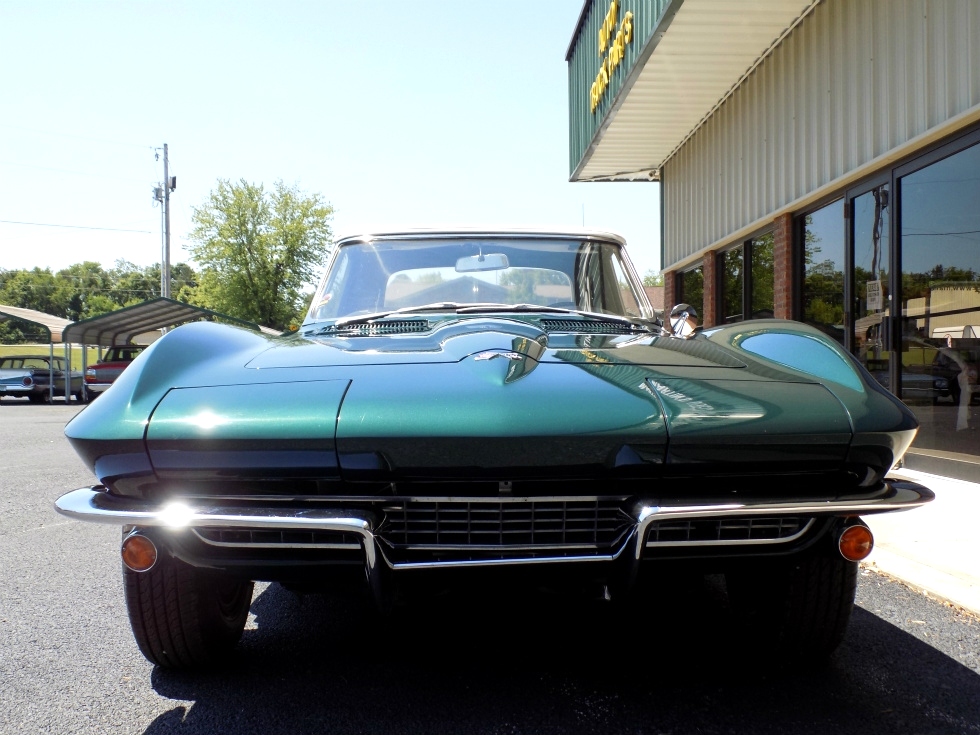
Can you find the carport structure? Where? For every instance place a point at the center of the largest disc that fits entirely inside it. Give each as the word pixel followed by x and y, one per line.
pixel 53 326
pixel 119 327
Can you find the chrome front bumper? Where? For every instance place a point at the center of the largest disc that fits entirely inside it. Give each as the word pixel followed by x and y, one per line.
pixel 96 505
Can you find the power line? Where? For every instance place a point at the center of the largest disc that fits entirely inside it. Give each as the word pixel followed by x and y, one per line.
pixel 73 227
pixel 934 234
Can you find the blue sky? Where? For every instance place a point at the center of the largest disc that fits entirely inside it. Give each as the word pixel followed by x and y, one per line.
pixel 398 113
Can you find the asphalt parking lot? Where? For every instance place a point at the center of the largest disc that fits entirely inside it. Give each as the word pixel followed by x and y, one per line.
pixel 473 664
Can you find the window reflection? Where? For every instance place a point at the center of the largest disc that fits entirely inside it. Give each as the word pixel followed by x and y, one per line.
pixel 823 269
pixel 747 273
pixel 762 277
pixel 692 290
pixel 732 273
pixel 871 227
pixel 940 255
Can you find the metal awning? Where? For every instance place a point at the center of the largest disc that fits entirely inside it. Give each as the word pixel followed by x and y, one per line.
pixel 53 325
pixel 698 54
pixel 121 326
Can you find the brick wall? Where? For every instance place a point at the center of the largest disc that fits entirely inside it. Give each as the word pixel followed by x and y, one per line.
pixel 670 290
pixel 783 266
pixel 710 316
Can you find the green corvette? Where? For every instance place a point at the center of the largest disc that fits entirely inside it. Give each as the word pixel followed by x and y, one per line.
pixel 463 400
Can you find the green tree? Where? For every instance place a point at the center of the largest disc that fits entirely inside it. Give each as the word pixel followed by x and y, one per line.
pixel 36 289
pixel 78 283
pixel 133 284
pixel 258 251
pixel 651 279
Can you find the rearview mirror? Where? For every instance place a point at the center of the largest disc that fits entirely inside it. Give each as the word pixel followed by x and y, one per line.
pixel 481 262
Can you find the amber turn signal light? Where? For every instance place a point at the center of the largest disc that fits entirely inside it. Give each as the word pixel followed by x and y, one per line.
pixel 139 553
pixel 855 542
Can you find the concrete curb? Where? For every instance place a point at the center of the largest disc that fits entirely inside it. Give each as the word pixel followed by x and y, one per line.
pixel 936 548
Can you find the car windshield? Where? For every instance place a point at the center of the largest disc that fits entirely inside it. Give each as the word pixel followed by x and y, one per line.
pixel 375 276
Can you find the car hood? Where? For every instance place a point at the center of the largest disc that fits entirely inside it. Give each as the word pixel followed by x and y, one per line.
pixel 471 397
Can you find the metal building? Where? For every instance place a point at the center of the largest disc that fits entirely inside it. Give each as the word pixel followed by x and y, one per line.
pixel 818 160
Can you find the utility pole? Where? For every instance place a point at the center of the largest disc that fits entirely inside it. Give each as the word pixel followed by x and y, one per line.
pixel 168 186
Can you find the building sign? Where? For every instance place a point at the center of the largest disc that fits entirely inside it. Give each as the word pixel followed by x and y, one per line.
pixel 614 35
pixel 874 295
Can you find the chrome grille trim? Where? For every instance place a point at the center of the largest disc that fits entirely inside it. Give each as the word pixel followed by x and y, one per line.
pixel 276 538
pixel 511 524
pixel 737 531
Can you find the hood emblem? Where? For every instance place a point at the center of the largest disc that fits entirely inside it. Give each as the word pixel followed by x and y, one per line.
pixel 490 355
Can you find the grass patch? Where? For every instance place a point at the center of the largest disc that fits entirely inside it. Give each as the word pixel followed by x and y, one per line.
pixel 59 351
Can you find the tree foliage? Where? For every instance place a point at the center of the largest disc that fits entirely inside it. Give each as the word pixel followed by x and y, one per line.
pixel 258 251
pixel 651 279
pixel 82 291
pixel 523 283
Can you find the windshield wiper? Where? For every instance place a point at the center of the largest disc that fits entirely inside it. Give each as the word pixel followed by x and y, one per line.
pixel 457 306
pixel 362 318
pixel 478 308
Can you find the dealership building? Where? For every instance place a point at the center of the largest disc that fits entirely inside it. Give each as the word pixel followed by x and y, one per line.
pixel 817 160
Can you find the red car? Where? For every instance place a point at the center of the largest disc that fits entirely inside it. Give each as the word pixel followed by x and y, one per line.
pixel 101 375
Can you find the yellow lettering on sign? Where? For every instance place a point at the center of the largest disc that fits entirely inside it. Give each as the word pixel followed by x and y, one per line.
pixel 608 26
pixel 617 50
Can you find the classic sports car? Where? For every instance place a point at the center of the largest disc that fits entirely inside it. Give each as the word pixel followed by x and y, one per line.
pixel 458 401
pixel 31 376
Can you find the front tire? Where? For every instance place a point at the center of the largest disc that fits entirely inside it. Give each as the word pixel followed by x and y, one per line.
pixel 802 608
pixel 184 617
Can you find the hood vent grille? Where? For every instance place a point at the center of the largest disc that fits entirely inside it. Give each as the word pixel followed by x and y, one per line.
pixel 580 326
pixel 370 329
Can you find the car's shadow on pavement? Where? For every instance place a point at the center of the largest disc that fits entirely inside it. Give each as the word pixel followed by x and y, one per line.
pixel 549 663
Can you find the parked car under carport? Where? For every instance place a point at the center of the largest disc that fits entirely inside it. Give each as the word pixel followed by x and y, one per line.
pixel 31 377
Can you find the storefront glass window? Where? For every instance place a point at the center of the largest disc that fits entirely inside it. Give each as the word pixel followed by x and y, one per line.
pixel 940 299
pixel 692 290
pixel 823 269
pixel 732 274
pixel 762 276
pixel 747 273
pixel 872 216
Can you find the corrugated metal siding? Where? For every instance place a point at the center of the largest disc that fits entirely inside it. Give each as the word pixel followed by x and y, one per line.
pixel 856 80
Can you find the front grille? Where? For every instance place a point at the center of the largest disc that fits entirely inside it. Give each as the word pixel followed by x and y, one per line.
pixel 579 326
pixel 727 531
pixel 490 524
pixel 276 538
pixel 371 329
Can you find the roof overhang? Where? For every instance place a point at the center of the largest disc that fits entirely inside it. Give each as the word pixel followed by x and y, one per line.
pixel 693 58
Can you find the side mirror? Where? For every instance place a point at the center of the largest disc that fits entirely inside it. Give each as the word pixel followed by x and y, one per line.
pixel 683 320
